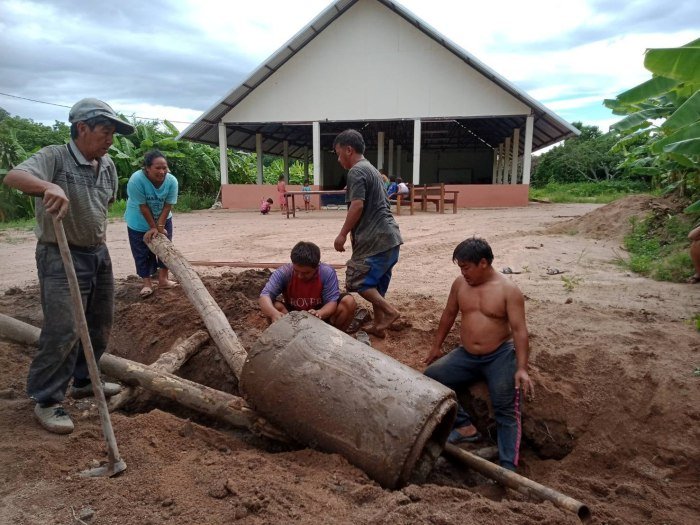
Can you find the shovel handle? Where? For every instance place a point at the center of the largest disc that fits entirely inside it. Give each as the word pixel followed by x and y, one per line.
pixel 81 322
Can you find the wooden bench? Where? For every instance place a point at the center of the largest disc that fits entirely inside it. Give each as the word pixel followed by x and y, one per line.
pixel 436 194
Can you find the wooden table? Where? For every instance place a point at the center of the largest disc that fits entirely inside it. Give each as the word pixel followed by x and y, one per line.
pixel 293 194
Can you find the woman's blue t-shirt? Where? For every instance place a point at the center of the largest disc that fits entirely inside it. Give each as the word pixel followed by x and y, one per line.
pixel 140 190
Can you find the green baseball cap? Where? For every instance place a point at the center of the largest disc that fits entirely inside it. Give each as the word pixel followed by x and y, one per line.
pixel 88 108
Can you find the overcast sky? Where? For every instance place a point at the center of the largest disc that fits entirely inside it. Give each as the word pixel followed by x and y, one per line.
pixel 175 58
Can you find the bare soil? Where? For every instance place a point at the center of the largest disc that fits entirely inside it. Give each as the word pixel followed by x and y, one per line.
pixel 614 422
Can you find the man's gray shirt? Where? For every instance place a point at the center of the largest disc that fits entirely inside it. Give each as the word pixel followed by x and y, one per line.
pixel 376 231
pixel 88 193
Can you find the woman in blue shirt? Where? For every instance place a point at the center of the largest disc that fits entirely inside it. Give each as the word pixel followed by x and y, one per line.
pixel 151 193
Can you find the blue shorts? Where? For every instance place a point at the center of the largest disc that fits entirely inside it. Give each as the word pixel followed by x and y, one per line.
pixel 146 261
pixel 373 272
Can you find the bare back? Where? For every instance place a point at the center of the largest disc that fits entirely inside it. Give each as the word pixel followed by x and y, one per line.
pixel 484 309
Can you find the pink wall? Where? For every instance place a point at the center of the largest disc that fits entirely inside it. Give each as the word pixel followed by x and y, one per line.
pixel 248 196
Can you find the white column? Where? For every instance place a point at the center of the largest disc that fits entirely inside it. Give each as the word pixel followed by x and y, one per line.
pixel 390 167
pixel 223 153
pixel 285 156
pixel 380 150
pixel 306 162
pixel 259 153
pixel 494 176
pixel 499 175
pixel 398 160
pixel 317 152
pixel 514 156
pixel 416 151
pixel 527 149
pixel 506 161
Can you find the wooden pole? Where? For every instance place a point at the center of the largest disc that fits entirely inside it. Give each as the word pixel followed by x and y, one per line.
pixel 168 362
pixel 517 482
pixel 215 403
pixel 11 328
pixel 221 332
pixel 243 264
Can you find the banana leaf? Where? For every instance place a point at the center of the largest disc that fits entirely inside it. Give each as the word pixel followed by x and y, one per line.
pixel 688 113
pixel 693 208
pixel 680 63
pixel 684 147
pixel 651 88
pixel 688 132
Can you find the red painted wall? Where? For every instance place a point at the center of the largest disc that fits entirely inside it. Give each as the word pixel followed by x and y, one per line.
pixel 248 196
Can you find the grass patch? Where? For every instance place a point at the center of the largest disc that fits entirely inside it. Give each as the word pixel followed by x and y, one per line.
pixel 18 224
pixel 190 202
pixel 592 192
pixel 658 247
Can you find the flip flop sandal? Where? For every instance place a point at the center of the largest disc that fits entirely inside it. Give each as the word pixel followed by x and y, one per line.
pixel 145 292
pixel 554 271
pixel 455 438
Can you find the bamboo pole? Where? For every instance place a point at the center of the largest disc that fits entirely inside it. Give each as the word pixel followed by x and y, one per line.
pixel 221 332
pixel 169 362
pixel 215 403
pixel 517 482
pixel 244 264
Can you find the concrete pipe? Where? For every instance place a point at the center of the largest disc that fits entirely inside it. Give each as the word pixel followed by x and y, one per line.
pixel 331 392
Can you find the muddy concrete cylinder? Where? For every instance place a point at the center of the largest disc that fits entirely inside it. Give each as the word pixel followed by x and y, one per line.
pixel 331 392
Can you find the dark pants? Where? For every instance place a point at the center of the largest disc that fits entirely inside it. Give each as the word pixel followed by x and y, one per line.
pixel 459 369
pixel 60 355
pixel 146 261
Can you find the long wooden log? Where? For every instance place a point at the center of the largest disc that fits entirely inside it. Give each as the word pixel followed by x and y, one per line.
pixel 215 403
pixel 18 331
pixel 243 264
pixel 169 362
pixel 517 482
pixel 221 332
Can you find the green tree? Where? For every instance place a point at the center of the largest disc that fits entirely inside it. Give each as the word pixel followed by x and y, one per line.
pixel 660 135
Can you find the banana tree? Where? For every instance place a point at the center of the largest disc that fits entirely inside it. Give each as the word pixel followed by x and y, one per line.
pixel 660 134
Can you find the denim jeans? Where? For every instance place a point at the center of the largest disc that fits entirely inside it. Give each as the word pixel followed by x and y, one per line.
pixel 459 369
pixel 147 263
pixel 60 354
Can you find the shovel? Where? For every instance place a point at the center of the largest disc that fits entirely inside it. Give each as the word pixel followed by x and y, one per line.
pixel 115 464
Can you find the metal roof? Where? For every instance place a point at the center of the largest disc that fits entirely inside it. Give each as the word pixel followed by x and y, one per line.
pixel 548 127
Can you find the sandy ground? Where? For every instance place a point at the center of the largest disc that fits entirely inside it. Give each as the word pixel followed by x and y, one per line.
pixel 614 422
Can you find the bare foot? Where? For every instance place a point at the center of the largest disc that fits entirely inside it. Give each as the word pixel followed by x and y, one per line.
pixel 694 279
pixel 386 321
pixel 167 284
pixel 373 330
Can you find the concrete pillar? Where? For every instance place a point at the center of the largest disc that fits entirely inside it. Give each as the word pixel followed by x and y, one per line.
pixel 306 162
pixel 514 156
pixel 223 153
pixel 380 150
pixel 398 160
pixel 500 164
pixel 285 156
pixel 259 153
pixel 494 174
pixel 416 151
pixel 527 149
pixel 390 167
pixel 317 152
pixel 506 161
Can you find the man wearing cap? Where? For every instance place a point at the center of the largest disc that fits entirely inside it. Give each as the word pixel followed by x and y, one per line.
pixel 75 182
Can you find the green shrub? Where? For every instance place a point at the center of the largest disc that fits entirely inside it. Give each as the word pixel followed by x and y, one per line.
pixel 594 192
pixel 190 201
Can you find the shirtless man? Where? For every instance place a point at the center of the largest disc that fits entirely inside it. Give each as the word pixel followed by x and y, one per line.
pixel 494 346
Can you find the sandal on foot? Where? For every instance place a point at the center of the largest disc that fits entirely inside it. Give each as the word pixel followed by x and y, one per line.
pixel 694 279
pixel 456 437
pixel 145 292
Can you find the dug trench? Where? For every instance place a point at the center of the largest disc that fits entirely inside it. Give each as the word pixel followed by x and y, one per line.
pixel 585 433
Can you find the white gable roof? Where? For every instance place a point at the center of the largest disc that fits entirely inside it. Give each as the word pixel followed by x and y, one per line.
pixel 359 61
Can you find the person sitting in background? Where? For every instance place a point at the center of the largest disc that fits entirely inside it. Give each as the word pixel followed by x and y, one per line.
pixel 402 187
pixel 307 285
pixel 266 205
pixel 694 237
pixel 385 178
pixel 393 188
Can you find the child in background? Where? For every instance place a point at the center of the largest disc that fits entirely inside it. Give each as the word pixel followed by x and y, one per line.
pixel 393 188
pixel 307 198
pixel 385 178
pixel 281 189
pixel 265 205
pixel 402 187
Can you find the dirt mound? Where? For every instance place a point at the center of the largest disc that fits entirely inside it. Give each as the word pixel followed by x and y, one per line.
pixel 614 423
pixel 613 221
